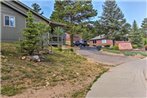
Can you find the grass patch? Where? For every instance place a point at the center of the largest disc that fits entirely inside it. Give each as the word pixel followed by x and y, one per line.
pixel 133 53
pixel 10 90
pixel 127 53
pixel 19 75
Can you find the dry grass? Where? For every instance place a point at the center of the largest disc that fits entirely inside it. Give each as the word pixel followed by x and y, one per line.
pixel 61 68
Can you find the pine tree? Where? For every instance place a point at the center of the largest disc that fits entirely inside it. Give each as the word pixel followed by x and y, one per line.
pixel 73 12
pixel 30 36
pixel 144 23
pixel 112 20
pixel 36 8
pixel 43 29
pixel 144 27
pixel 136 36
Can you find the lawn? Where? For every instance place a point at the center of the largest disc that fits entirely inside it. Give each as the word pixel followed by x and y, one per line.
pixel 127 53
pixel 59 69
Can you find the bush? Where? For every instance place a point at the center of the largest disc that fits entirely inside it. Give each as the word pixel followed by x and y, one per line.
pixel 115 48
pixel 145 41
pixel 99 48
pixel 107 46
pixel 135 46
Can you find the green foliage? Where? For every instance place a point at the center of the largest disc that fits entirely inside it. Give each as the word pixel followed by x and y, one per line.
pixel 144 27
pixel 43 30
pixel 129 53
pixel 74 13
pixel 145 41
pixel 135 36
pixel 59 31
pixel 115 47
pixel 112 21
pixel 32 35
pixel 36 8
pixel 135 46
pixel 10 90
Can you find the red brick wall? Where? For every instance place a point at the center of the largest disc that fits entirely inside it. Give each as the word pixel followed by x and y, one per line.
pixel 99 42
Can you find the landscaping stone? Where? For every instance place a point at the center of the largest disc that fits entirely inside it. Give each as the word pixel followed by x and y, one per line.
pixel 35 58
pixel 23 57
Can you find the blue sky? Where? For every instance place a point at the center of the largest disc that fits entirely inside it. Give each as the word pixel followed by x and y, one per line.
pixel 132 9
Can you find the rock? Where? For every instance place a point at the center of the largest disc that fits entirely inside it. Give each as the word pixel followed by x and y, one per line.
pixel 47 83
pixel 23 57
pixel 35 58
pixel 3 57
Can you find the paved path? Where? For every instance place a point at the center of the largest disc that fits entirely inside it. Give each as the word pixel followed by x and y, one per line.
pixel 128 80
pixel 101 57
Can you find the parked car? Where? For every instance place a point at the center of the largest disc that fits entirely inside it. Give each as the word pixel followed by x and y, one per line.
pixel 81 43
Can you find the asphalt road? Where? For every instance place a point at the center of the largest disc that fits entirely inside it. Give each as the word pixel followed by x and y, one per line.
pixel 100 57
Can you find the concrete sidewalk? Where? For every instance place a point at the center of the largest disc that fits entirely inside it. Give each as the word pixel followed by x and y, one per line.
pixel 128 80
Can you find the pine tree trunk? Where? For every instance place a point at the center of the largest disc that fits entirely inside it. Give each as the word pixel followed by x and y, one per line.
pixel 71 39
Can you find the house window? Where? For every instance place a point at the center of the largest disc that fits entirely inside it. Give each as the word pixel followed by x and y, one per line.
pixel 6 20
pixel 9 21
pixel 104 41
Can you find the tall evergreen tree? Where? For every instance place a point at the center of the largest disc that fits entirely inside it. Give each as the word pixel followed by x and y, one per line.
pixel 73 12
pixel 30 36
pixel 112 20
pixel 136 35
pixel 144 23
pixel 144 27
pixel 135 26
pixel 36 8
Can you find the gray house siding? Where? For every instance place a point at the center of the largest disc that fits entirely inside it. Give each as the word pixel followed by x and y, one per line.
pixel 11 33
pixel 15 33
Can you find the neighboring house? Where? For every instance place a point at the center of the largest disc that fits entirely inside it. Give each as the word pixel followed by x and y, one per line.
pixel 100 41
pixel 13 20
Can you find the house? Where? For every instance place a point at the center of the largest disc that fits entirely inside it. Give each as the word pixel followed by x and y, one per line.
pixel 13 20
pixel 100 41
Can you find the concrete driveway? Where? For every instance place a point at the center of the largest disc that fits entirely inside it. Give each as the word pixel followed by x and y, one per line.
pixel 128 80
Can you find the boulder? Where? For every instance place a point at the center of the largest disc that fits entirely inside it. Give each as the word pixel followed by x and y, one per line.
pixel 35 58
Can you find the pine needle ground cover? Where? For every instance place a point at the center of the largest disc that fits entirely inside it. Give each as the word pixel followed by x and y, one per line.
pixel 61 70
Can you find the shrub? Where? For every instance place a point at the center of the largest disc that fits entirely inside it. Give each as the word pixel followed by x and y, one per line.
pixel 135 46
pixel 115 48
pixel 107 46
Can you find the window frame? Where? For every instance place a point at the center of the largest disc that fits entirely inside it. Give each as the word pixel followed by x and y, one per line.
pixel 10 16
